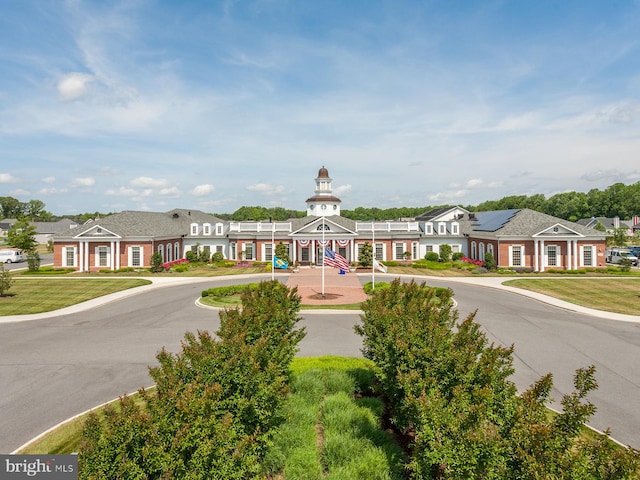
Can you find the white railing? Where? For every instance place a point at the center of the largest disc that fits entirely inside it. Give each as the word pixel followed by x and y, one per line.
pixel 256 227
pixel 387 227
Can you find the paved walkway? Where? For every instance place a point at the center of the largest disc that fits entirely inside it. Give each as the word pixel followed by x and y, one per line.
pixel 338 289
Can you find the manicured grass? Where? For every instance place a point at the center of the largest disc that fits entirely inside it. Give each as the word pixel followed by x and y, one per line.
pixel 36 294
pixel 66 438
pixel 619 295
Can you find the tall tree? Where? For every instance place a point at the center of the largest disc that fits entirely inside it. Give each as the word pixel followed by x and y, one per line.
pixel 22 235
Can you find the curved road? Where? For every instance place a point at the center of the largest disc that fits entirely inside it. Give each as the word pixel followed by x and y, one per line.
pixel 54 368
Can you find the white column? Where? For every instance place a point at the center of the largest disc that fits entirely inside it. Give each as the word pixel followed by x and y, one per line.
pixel 576 254
pixel 87 266
pixel 569 255
pixel 543 257
pixel 118 254
pixel 112 259
pixel 536 262
pixel 312 256
pixel 80 256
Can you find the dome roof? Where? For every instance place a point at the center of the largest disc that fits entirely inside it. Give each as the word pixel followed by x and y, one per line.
pixel 323 173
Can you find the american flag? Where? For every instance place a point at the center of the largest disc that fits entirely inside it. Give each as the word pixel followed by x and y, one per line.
pixel 333 259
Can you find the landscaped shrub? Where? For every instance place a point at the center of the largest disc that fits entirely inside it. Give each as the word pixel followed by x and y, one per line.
pixel 229 290
pixel 6 280
pixel 445 252
pixel 457 256
pixel 191 256
pixel 489 261
pixel 450 389
pixel 432 256
pixel 156 263
pixel 216 402
pixel 217 257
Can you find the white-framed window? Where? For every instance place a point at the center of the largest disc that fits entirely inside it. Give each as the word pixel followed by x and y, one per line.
pixel 194 229
pixel 442 228
pixel 429 248
pixel 102 256
pixel 552 255
pixel 474 250
pixel 206 229
pixel 249 251
pixel 455 228
pixel 428 228
pixel 268 252
pixel 516 256
pixel 169 253
pixel 414 250
pixel 490 249
pixel 455 248
pixel 233 248
pixel 69 257
pixel 161 252
pixel 176 251
pixel 587 256
pixel 218 229
pixel 135 256
pixel 379 251
pixel 481 251
pixel 399 251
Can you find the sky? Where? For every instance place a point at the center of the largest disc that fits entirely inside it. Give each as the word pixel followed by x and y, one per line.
pixel 212 105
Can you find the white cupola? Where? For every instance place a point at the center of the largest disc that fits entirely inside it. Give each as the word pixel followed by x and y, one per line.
pixel 323 203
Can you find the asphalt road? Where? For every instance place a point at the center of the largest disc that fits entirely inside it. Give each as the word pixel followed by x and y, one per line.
pixel 55 368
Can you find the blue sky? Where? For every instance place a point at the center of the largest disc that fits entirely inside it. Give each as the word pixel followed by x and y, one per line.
pixel 212 105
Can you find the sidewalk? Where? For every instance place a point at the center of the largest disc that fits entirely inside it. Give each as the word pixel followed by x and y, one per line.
pixel 338 289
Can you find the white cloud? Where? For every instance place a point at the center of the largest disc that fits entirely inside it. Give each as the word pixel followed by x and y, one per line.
pixel 202 190
pixel 169 192
pixel 122 191
pixel 49 180
pixel 149 182
pixel 52 191
pixel 20 192
pixel 266 189
pixel 73 86
pixel 475 182
pixel 7 178
pixel 342 189
pixel 83 182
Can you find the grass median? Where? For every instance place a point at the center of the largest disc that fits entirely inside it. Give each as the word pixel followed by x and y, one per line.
pixel 618 295
pixel 37 295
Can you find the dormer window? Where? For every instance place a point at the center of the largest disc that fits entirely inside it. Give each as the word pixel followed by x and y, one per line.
pixel 194 229
pixel 206 229
pixel 428 228
pixel 455 228
pixel 218 229
pixel 442 228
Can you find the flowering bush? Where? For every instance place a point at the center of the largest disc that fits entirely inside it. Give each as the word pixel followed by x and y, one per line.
pixel 471 261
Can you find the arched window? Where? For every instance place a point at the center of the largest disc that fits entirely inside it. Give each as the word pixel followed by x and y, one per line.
pixel 474 251
pixel 169 250
pixel 161 252
pixel 481 256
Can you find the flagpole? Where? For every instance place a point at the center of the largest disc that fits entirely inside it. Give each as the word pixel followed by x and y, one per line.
pixel 323 253
pixel 373 257
pixel 273 251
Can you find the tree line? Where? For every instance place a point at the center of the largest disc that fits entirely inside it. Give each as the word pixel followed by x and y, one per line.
pixel 618 200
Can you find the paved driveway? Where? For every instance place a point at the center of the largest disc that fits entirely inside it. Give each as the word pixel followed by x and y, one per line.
pixel 54 368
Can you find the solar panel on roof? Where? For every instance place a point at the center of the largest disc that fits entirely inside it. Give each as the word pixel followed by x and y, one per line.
pixel 492 221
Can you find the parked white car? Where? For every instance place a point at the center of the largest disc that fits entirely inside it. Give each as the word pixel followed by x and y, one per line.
pixel 616 255
pixel 11 255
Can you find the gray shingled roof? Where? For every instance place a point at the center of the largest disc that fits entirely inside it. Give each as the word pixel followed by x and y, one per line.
pixel 147 224
pixel 525 222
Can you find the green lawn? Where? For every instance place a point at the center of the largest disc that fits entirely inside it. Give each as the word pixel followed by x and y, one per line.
pixel 618 295
pixel 37 294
